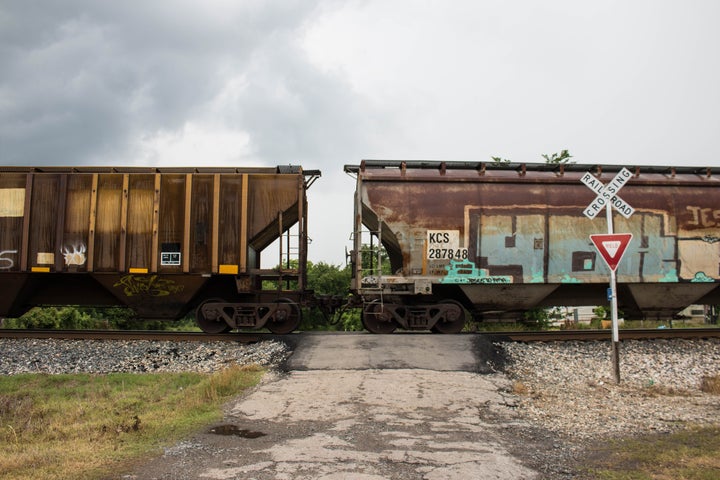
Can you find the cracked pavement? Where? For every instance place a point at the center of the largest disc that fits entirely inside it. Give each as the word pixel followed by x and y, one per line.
pixel 366 424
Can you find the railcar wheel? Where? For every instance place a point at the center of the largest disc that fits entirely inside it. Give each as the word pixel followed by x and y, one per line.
pixel 453 320
pixel 375 319
pixel 286 318
pixel 211 321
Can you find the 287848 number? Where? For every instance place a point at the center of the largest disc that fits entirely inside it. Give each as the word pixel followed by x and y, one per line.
pixel 447 254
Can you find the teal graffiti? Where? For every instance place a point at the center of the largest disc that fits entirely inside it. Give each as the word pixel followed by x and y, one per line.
pixel 568 279
pixel 537 277
pixel 700 277
pixel 466 272
pixel 670 277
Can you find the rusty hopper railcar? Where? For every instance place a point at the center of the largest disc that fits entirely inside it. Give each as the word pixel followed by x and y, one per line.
pixel 498 238
pixel 159 240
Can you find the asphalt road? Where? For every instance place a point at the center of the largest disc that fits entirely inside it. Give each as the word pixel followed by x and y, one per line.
pixel 362 351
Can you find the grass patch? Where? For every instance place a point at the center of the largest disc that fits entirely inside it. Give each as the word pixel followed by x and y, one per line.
pixel 519 388
pixel 690 454
pixel 88 426
pixel 711 385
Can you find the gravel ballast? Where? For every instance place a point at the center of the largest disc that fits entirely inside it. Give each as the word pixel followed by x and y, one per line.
pixel 136 356
pixel 569 388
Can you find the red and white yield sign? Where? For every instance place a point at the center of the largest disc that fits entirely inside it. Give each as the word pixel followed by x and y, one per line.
pixel 611 247
pixel 607 193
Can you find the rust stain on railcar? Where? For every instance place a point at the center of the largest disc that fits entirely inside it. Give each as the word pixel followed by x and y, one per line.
pixel 271 195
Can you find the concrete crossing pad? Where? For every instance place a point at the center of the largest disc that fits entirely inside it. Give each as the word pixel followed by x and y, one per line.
pixel 359 351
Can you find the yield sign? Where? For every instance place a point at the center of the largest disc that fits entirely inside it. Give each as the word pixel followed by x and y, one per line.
pixel 611 247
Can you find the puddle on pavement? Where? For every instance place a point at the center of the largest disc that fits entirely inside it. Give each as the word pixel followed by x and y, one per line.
pixel 236 431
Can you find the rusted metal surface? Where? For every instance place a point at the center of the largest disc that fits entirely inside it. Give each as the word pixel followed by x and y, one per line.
pixel 159 240
pixel 512 237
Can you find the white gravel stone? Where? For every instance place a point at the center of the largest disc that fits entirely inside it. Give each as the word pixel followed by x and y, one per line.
pixel 569 387
pixel 137 356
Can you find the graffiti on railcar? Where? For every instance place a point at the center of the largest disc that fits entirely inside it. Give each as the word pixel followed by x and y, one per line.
pixel 6 263
pixel 702 217
pixel 464 272
pixel 508 245
pixel 148 285
pixel 75 254
pixel 700 277
pixel 534 246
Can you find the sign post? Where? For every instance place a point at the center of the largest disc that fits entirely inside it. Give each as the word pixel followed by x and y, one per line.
pixel 611 246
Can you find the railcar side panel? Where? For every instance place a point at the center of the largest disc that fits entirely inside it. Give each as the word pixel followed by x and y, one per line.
pixel 157 240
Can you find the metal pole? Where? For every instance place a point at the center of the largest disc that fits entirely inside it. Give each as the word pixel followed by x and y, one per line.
pixel 615 330
pixel 613 308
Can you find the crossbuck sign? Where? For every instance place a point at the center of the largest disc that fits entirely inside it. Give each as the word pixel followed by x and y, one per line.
pixel 607 193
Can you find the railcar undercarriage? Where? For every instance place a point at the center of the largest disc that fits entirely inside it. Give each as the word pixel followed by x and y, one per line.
pixel 218 316
pixel 446 316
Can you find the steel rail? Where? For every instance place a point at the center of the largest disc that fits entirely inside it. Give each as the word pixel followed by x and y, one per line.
pixel 130 335
pixel 600 335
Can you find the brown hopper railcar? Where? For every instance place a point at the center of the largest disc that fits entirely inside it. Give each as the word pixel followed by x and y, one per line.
pixel 495 239
pixel 162 241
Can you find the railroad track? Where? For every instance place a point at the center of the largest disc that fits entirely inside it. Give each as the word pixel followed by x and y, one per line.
pixel 599 335
pixel 533 336
pixel 130 335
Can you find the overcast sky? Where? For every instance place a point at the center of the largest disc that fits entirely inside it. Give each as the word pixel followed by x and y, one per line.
pixel 329 82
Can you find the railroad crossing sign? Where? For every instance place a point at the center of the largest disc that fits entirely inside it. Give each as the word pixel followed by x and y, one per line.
pixel 612 247
pixel 607 193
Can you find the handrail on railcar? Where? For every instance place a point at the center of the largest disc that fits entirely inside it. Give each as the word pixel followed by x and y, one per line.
pixel 522 166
